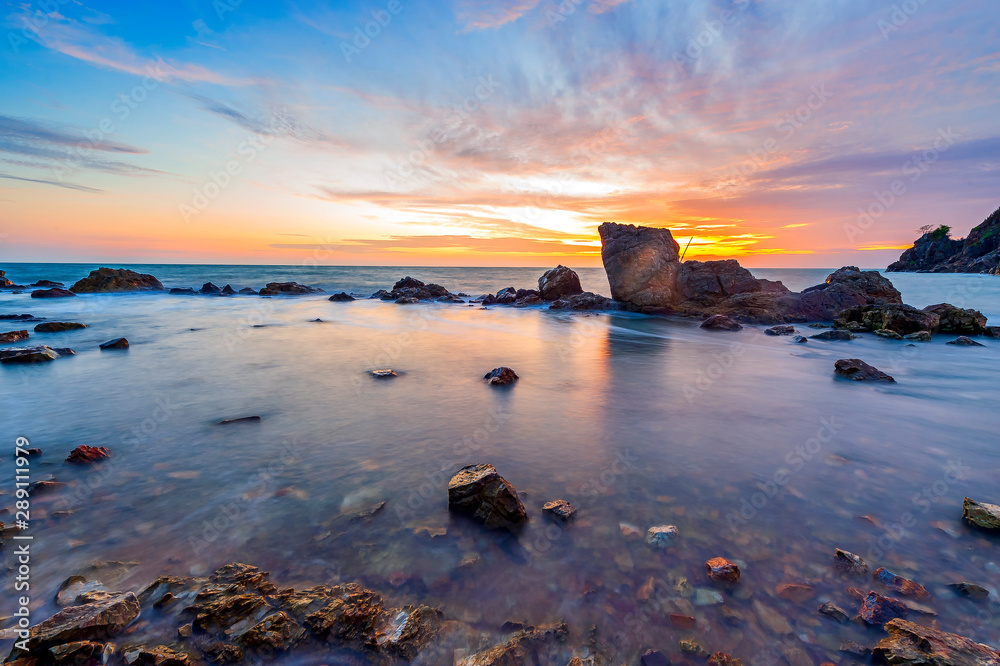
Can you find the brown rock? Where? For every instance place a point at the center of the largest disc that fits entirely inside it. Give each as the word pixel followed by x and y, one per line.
pixel 980 514
pixel 559 282
pixel 958 320
pixel 683 621
pixel 642 264
pixel 560 509
pixel 117 343
pixel 859 371
pixel 501 376
pixel 876 609
pixel 895 317
pixel 850 564
pixel 721 570
pixel 88 455
pixel 723 659
pixel 479 490
pixel 106 280
pixel 288 289
pixel 910 643
pixel 541 645
pixel 58 326
pixel 964 341
pixel 13 336
pixel 900 585
pixel 91 622
pixel 159 655
pixel 721 323
pixel 794 591
pixel 772 619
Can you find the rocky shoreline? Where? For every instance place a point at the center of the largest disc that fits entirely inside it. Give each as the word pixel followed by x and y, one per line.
pixel 937 252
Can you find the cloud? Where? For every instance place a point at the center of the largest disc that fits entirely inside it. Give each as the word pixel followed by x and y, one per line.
pixel 69 186
pixel 501 245
pixel 477 15
pixel 279 122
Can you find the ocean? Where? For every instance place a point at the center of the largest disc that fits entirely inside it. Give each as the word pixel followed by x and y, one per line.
pixel 746 442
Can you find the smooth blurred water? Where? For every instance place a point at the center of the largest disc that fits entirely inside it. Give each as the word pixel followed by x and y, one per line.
pixel 632 419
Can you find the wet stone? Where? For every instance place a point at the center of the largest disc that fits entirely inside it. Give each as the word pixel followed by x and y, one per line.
pixel 662 536
pixel 654 658
pixel 970 590
pixel 980 514
pixel 849 564
pixel 721 570
pixel 901 585
pixel 560 509
pixel 834 611
pixel 877 610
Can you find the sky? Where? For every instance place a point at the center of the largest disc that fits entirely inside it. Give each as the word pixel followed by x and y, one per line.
pixel 451 132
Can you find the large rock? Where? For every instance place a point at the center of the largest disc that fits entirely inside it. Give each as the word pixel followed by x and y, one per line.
pixel 480 491
pixel 846 287
pixel 114 280
pixel 96 621
pixel 536 645
pixel 559 282
pixel 957 320
pixel 288 289
pixel 895 317
pixel 4 280
pixel 916 645
pixel 858 370
pixel 13 336
pixel 55 292
pixel 712 281
pixel 980 514
pixel 58 326
pixel 642 264
pixel 936 252
pixel 37 354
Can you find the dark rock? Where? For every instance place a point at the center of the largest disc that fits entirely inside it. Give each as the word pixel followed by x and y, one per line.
pixel 39 354
pixel 858 370
pixel 45 486
pixel 957 320
pixel 58 326
pixel 585 301
pixel 117 343
pixel 248 291
pixel 406 300
pixel 182 291
pixel 980 514
pixel 845 288
pixel 919 336
pixel 970 590
pixel 91 622
pixel 654 658
pixel 342 297
pixel 831 609
pixel 17 317
pixel 369 513
pixel 801 339
pixel 105 280
pixel 382 294
pixel 450 298
pixel 13 336
pixel 877 610
pixel 288 289
pixel 780 330
pixel 88 455
pixel 209 289
pixel 963 341
pixel 897 317
pixel 46 284
pixel 79 652
pixel 501 376
pixel 242 419
pixel 55 292
pixel 384 373
pixel 407 283
pixel 721 570
pixel 559 282
pixel 849 564
pixel 720 323
pixel 560 509
pixel 916 645
pixel 4 280
pixel 228 290
pixel 479 490
pixel 900 585
pixel 834 335
pixel 936 252
pixel 992 332
pixel 855 649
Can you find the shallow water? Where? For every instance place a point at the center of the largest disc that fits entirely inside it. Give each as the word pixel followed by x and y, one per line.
pixel 632 419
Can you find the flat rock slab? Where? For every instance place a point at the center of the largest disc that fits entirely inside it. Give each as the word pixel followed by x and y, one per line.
pixel 95 621
pixel 859 371
pixel 910 643
pixel 479 490
pixel 980 514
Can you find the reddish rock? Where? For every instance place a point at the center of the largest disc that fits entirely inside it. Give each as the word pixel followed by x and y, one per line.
pixel 723 659
pixel 683 621
pixel 900 585
pixel 794 591
pixel 721 570
pixel 87 455
pixel 916 645
pixel 106 280
pixel 559 282
pixel 876 609
pixel 13 336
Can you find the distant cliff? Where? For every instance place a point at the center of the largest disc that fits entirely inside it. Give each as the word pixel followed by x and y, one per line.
pixel 936 252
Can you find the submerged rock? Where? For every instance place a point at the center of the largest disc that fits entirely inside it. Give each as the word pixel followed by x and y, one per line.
pixel 288 289
pixel 117 343
pixel 105 280
pixel 88 455
pixel 559 282
pixel 479 490
pixel 916 645
pixel 834 611
pixel 40 354
pixel 783 329
pixel 97 621
pixel 963 341
pixel 721 570
pixel 721 323
pixel 901 585
pixel 662 536
pixel 243 419
pixel 55 292
pixel 858 370
pixel 342 297
pixel 849 564
pixel 560 509
pixel 980 514
pixel 13 336
pixel 58 326
pixel 47 283
pixel 970 590
pixel 501 376
pixel 877 610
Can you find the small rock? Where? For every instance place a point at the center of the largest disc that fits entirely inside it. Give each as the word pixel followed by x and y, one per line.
pixel 629 530
pixel 407 300
pixel 877 610
pixel 772 619
pixel 242 419
pixel 693 647
pixel 848 563
pixel 662 536
pixel 182 291
pixel 794 591
pixel 384 373
pixel 919 336
pixel 732 617
pixel 901 585
pixel 721 570
pixel 834 335
pixel 74 586
pixel 856 649
pixel 723 659
pixel 88 455
pixel 228 290
pixel 980 514
pixel 13 336
pixel 209 289
pixel 706 597
pixel 501 376
pixel 886 333
pixel 117 343
pixel 858 370
pixel 964 341
pixel 654 658
pixel 685 621
pixel 970 590
pixel 559 508
pixel 780 330
pixel 801 339
pixel 287 289
pixel 831 609
pixel 479 490
pixel 368 513
pixel 721 323
pixel 342 297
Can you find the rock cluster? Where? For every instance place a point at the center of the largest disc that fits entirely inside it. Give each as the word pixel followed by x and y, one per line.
pixel 910 643
pixel 936 252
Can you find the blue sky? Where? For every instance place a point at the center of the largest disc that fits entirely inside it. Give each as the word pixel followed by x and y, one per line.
pixel 782 133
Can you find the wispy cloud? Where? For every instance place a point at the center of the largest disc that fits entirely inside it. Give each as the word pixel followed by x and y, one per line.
pixel 56 183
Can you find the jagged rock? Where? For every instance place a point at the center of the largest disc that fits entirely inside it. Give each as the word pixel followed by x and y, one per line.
pixel 980 514
pixel 560 509
pixel 288 289
pixel 919 336
pixel 855 649
pixel 159 655
pixel 559 282
pixel 845 288
pixel 900 585
pixel 228 290
pixel 541 645
pixel 74 587
pixel 13 336
pixel 662 536
pixel 479 490
pixel 209 289
pixel 88 455
pixel 78 652
pixel 106 280
pixel 897 317
pixel 849 564
pixel 55 292
pixel 877 610
pixel 720 323
pixel 275 633
pixel 721 570
pixel 46 283
pixel 117 343
pixel 963 341
pixel 831 609
pixel 39 354
pixel 783 329
pixel 970 590
pixel 916 645
pixel 858 370
pixel 501 376
pixel 406 300
pixel 834 335
pixel 96 621
pixel 58 326
pixel 957 320
pixel 342 297
pixel 935 252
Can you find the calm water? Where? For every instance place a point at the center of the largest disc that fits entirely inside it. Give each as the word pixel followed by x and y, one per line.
pixel 635 420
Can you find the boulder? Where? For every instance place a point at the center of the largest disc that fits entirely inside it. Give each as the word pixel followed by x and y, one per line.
pixel 963 341
pixel 845 288
pixel 723 659
pixel 981 514
pixel 585 301
pixel 720 323
pixel 288 289
pixel 877 610
pixel 896 317
pixel 13 336
pixel 957 320
pixel 859 371
pixel 228 290
pixel 501 376
pixel 713 281
pixel 106 280
pixel 58 326
pixel 721 570
pixel 480 491
pixel 209 289
pixel 642 264
pixel 95 621
pixel 559 282
pixel 88 455
pixel 117 343
pixel 55 292
pixel 342 297
pixel 407 283
pixel 910 644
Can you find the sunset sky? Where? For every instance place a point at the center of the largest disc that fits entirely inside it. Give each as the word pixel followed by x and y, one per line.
pixel 493 133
